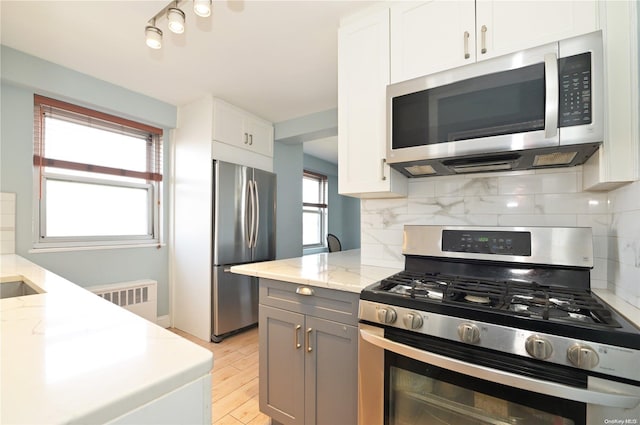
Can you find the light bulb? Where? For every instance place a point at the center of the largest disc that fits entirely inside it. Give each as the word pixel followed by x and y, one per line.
pixel 153 36
pixel 176 20
pixel 202 7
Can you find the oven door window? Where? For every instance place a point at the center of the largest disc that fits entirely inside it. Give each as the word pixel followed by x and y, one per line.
pixel 418 393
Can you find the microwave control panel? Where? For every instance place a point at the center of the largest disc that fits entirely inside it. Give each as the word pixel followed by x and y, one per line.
pixel 574 73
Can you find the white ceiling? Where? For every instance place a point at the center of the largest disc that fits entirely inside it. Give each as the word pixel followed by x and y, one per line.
pixel 277 59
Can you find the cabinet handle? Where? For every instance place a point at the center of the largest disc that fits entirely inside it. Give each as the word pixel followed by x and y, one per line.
pixel 382 163
pixel 251 139
pixel 483 46
pixel 303 290
pixel 296 340
pixel 466 45
pixel 246 138
pixel 307 339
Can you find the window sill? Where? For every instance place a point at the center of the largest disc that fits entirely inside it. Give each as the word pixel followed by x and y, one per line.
pixel 315 250
pixel 93 248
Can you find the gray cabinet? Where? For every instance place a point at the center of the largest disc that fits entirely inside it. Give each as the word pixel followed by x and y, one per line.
pixel 308 354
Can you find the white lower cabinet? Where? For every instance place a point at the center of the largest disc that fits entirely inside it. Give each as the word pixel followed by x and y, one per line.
pixel 190 404
pixel 308 354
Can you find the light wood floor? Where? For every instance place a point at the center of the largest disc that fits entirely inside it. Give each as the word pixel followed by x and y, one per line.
pixel 234 395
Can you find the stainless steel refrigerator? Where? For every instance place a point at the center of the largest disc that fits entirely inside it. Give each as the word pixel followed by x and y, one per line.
pixel 244 221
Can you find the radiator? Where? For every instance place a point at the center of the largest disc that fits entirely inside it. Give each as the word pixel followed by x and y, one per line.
pixel 139 296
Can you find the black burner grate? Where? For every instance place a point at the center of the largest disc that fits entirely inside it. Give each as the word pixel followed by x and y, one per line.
pixel 527 299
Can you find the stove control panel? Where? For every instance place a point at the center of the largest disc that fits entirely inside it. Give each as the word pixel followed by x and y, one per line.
pixel 587 355
pixel 487 242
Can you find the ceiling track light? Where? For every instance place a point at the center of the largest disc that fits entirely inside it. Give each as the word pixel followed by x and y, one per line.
pixel 153 35
pixel 202 8
pixel 176 18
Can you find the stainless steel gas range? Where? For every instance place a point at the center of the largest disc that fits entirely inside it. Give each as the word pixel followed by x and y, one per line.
pixel 495 325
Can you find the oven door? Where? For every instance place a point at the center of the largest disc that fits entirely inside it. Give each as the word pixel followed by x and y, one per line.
pixel 403 384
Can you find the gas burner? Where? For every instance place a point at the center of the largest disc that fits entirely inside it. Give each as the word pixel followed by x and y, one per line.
pixel 477 299
pixel 418 289
pixel 550 313
pixel 540 299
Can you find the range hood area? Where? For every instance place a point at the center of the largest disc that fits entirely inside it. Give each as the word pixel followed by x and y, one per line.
pixel 553 157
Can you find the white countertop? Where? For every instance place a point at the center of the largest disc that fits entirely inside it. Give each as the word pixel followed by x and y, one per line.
pixel 630 312
pixel 337 270
pixel 68 356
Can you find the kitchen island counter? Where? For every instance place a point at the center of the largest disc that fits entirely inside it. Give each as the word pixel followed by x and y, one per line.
pixel 337 270
pixel 69 356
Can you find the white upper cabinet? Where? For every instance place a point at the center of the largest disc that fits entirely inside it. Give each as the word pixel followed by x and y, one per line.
pixel 239 128
pixel 432 36
pixel 617 162
pixel 363 75
pixel 508 26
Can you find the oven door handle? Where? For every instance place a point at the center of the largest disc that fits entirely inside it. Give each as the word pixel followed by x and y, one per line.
pixel 506 378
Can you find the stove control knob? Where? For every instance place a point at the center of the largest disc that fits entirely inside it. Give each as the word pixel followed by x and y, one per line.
pixel 412 320
pixel 386 315
pixel 469 333
pixel 538 347
pixel 583 356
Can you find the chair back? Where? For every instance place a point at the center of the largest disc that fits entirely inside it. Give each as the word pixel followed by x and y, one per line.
pixel 333 243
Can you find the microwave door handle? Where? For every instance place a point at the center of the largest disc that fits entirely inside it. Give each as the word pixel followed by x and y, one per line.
pixel 374 336
pixel 551 95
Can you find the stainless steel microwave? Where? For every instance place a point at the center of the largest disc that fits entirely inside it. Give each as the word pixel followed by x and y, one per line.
pixel 537 108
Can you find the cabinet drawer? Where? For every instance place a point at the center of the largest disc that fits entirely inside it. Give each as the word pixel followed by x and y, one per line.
pixel 324 303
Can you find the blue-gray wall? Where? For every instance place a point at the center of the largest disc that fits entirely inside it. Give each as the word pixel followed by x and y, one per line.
pixel 22 76
pixel 287 164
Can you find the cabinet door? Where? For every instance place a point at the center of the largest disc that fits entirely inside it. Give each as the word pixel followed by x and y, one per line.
pixel 431 36
pixel 260 135
pixel 236 127
pixel 331 372
pixel 363 74
pixel 281 365
pixel 228 124
pixel 515 25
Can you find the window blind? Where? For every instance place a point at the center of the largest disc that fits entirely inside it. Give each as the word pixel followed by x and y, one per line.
pixel 45 107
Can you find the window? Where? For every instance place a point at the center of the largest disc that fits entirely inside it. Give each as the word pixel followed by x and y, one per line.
pixel 314 210
pixel 97 177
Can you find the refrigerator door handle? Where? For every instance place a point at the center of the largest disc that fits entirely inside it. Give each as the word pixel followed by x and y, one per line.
pixel 257 216
pixel 248 215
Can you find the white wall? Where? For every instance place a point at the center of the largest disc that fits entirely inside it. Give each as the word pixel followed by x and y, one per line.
pixel 526 198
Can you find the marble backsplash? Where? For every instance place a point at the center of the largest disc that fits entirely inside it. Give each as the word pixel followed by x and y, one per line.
pixel 524 198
